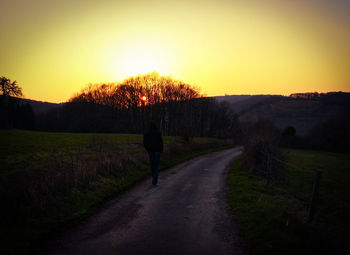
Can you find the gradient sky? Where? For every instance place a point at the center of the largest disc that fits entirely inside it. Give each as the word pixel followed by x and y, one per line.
pixel 55 48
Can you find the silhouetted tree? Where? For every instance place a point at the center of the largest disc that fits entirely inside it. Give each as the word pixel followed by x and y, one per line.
pixel 288 138
pixel 8 88
pixel 177 108
pixel 8 107
pixel 289 131
pixel 128 94
pixel 168 102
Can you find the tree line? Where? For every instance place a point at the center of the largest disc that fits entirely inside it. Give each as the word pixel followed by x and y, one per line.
pixel 127 107
pixel 129 94
pixel 178 108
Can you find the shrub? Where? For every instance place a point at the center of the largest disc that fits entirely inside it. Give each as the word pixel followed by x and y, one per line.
pixel 262 156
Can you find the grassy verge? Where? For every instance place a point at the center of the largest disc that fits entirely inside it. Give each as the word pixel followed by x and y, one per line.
pixel 273 218
pixel 49 181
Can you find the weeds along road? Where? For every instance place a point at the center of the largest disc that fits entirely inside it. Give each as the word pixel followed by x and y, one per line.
pixel 185 214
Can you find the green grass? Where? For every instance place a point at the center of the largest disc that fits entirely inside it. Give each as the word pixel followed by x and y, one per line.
pixel 273 218
pixel 19 148
pixel 50 181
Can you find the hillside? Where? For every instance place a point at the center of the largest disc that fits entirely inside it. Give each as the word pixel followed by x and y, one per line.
pixel 302 111
pixel 242 102
pixel 37 106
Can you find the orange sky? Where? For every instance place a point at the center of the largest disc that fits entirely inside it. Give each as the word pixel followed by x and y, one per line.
pixel 55 48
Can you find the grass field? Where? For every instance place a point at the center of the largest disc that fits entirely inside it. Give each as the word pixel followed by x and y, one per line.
pixel 49 181
pixel 273 218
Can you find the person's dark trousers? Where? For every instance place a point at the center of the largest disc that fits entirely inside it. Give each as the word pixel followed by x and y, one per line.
pixel 154 158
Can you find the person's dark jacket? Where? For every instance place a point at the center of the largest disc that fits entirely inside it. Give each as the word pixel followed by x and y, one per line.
pixel 153 141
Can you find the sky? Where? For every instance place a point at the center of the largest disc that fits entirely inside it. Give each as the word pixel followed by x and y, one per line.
pixel 55 48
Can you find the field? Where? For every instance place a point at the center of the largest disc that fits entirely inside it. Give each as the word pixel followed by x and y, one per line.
pixel 49 181
pixel 273 217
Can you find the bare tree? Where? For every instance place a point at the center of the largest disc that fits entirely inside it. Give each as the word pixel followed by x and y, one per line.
pixel 8 88
pixel 128 94
pixel 177 107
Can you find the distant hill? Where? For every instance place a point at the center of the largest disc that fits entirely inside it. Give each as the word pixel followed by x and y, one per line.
pixel 37 106
pixel 301 110
pixel 242 102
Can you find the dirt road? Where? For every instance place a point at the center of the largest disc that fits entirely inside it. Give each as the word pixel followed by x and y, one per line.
pixel 185 214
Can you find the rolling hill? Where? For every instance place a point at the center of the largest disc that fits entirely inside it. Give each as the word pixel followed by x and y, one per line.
pixel 302 110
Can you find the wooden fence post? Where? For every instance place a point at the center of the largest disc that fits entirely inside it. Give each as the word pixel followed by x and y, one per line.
pixel 314 197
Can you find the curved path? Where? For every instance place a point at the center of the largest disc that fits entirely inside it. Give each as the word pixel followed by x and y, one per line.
pixel 185 214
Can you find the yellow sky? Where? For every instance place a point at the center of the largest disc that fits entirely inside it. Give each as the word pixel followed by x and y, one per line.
pixel 55 48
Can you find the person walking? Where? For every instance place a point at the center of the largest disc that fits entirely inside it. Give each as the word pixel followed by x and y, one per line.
pixel 153 143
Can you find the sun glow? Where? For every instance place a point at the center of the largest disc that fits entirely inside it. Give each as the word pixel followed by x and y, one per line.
pixel 140 58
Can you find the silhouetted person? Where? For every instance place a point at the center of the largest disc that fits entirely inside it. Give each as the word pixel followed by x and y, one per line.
pixel 153 142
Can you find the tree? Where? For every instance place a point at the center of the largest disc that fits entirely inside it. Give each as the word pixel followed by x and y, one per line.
pixel 289 139
pixel 128 94
pixel 8 88
pixel 289 132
